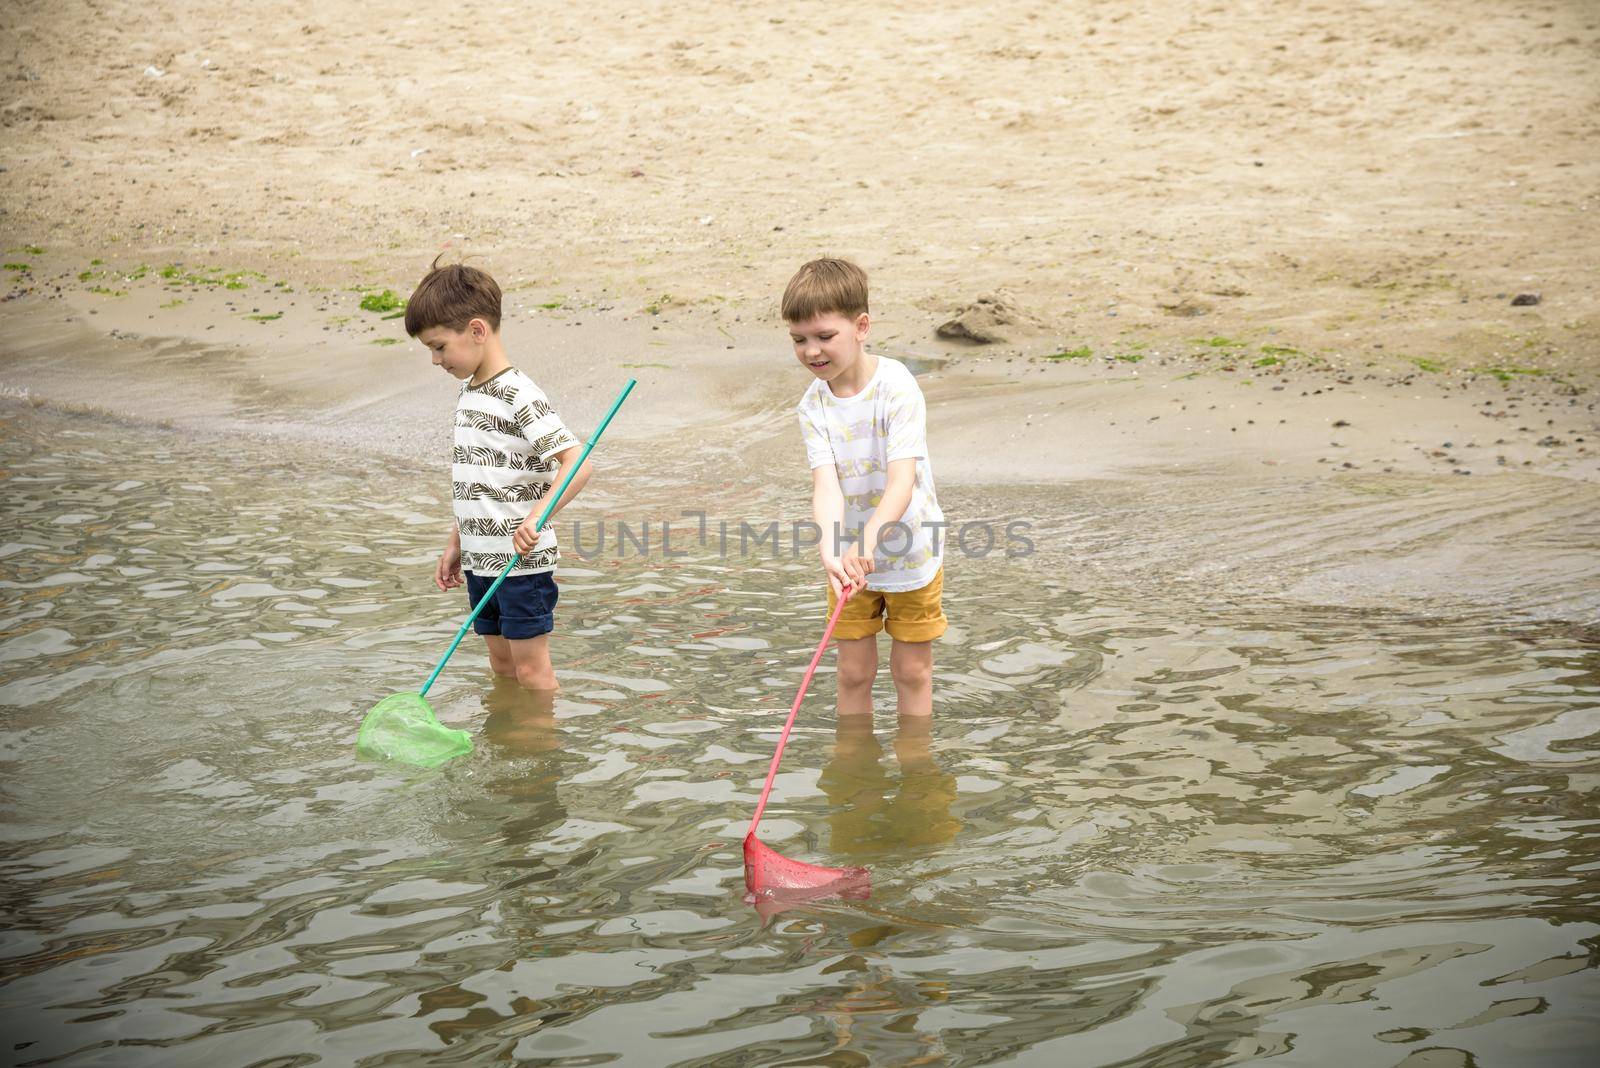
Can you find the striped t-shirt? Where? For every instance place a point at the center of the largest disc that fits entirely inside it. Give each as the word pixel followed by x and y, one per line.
pixel 859 436
pixel 502 466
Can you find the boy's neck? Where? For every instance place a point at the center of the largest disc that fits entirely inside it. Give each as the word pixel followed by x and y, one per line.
pixel 855 379
pixel 494 361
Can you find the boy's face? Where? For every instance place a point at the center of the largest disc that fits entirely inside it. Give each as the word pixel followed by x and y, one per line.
pixel 458 352
pixel 829 344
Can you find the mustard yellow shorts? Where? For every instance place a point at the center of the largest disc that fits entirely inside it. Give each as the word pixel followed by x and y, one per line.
pixel 912 616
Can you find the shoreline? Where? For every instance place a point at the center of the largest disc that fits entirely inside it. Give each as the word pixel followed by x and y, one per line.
pixel 240 344
pixel 1291 479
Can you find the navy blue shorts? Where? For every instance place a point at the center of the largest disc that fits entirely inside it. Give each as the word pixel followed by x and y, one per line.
pixel 523 607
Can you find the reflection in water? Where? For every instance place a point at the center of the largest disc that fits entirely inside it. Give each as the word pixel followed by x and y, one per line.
pixel 866 821
pixel 522 798
pixel 1140 833
pixel 520 722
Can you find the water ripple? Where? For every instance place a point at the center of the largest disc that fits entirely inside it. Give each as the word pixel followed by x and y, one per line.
pixel 1137 832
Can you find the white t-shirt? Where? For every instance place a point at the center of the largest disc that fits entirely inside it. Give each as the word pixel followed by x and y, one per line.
pixel 502 466
pixel 859 436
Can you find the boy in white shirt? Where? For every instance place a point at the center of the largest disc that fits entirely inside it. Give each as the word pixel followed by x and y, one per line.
pixel 872 495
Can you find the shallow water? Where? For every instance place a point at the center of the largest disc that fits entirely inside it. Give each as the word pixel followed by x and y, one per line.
pixel 1140 832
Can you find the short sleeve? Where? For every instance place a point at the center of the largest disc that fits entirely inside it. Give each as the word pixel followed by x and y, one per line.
pixel 907 431
pixel 819 452
pixel 541 425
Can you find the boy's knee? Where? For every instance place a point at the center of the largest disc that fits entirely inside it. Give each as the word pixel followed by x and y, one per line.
pixel 536 677
pixel 854 675
pixel 911 672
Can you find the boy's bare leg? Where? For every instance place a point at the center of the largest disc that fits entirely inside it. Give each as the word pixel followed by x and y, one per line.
pixel 525 659
pixel 500 656
pixel 858 666
pixel 911 665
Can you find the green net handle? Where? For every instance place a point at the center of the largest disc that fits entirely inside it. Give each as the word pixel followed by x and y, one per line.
pixel 462 633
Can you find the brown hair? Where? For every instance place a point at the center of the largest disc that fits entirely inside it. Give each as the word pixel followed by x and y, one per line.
pixel 452 296
pixel 824 286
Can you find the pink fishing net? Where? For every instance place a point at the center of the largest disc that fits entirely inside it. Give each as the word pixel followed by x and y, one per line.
pixel 769 874
pixel 766 871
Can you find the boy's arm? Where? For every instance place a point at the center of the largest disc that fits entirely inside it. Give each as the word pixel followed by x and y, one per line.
pixel 896 499
pixel 907 443
pixel 566 458
pixel 527 536
pixel 827 507
pixel 447 572
pixel 827 511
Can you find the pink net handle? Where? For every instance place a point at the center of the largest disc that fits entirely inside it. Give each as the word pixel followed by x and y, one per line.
pixel 783 739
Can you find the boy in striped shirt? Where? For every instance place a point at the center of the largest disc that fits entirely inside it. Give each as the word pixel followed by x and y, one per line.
pixel 510 446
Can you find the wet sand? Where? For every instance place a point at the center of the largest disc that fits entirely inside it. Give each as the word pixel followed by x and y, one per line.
pixel 1198 474
pixel 1358 182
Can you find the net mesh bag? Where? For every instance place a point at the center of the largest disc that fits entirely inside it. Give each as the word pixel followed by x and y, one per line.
pixel 404 728
pixel 768 872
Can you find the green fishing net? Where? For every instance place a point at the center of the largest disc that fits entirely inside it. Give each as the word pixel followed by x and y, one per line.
pixel 403 727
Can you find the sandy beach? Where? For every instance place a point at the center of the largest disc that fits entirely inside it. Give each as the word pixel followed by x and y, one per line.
pixel 1274 328
pixel 1322 274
